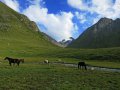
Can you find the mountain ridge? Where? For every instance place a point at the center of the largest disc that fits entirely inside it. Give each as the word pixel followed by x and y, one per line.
pixel 105 33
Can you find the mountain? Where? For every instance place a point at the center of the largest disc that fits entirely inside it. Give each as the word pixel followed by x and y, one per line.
pixel 19 35
pixel 21 38
pixel 65 43
pixel 105 33
pixel 47 37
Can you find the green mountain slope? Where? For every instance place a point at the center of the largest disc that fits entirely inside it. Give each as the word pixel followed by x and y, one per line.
pixel 19 35
pixel 105 33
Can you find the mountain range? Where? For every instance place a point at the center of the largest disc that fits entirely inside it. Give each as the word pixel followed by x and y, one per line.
pixel 20 37
pixel 17 31
pixel 105 33
pixel 65 43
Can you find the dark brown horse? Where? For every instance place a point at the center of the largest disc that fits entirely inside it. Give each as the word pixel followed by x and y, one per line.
pixel 81 65
pixel 11 60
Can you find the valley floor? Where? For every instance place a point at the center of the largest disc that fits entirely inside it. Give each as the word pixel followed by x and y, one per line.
pixel 39 76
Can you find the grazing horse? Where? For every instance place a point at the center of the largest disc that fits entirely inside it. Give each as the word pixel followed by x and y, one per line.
pixel 81 65
pixel 11 60
pixel 46 61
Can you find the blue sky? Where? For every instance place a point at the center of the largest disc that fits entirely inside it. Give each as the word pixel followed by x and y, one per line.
pixel 62 19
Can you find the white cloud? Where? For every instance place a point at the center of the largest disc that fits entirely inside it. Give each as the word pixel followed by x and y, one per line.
pixel 60 26
pixel 104 8
pixel 81 17
pixel 116 9
pixel 79 4
pixel 12 4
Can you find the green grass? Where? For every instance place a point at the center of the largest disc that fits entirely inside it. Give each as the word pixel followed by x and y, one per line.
pixel 55 77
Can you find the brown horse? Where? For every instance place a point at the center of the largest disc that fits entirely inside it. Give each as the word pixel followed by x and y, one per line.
pixel 81 65
pixel 11 60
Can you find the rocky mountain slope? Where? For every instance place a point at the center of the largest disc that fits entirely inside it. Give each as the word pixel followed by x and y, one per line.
pixel 105 33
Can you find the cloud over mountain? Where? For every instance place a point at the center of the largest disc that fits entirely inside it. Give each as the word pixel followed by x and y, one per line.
pixel 104 8
pixel 60 26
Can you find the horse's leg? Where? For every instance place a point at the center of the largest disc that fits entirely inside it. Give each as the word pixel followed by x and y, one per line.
pixel 10 63
pixel 78 66
pixel 82 67
pixel 13 64
pixel 18 63
pixel 85 67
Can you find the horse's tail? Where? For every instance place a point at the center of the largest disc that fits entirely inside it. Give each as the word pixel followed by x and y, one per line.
pixel 22 60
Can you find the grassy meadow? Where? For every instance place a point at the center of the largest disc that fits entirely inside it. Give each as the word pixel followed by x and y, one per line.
pixel 33 74
pixel 36 76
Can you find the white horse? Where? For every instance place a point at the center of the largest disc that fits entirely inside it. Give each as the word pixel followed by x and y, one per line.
pixel 46 61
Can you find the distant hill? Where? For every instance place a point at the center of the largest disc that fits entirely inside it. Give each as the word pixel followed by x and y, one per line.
pixel 105 33
pixel 65 43
pixel 19 35
pixel 47 37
